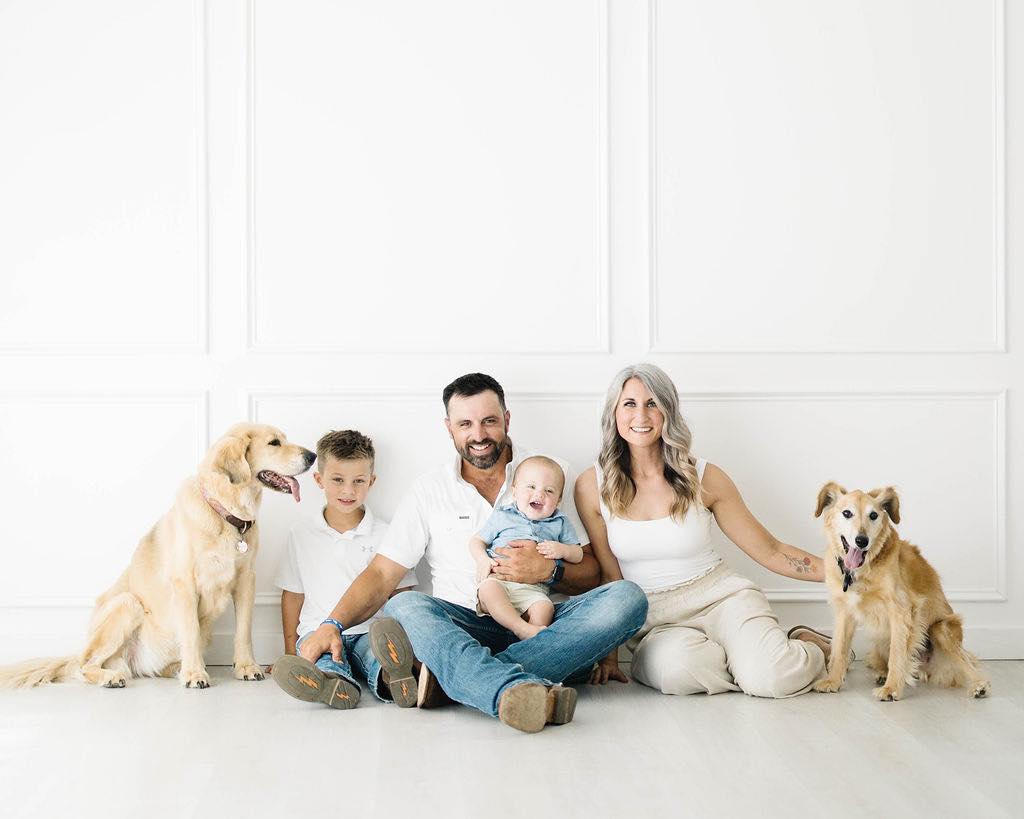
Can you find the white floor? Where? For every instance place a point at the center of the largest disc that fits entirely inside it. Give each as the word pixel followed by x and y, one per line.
pixel 246 749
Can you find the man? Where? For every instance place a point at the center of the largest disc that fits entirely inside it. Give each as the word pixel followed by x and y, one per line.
pixel 476 661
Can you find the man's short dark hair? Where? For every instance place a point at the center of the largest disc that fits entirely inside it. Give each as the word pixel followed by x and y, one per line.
pixel 471 384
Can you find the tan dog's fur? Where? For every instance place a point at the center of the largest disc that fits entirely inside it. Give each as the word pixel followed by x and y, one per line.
pixel 896 594
pixel 157 618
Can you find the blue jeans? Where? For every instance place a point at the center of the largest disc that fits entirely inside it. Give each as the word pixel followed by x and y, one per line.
pixel 475 659
pixel 358 660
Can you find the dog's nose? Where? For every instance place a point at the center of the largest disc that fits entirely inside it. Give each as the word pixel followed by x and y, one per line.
pixel 861 541
pixel 309 456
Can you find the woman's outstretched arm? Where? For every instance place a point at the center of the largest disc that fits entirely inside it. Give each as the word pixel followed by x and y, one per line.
pixel 742 528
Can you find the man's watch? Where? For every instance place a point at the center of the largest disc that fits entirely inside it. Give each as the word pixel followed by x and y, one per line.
pixel 556 574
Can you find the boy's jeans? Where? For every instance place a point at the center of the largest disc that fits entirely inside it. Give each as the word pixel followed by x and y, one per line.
pixel 359 660
pixel 475 659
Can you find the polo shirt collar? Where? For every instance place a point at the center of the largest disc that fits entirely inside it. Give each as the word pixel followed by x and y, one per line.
pixel 364 528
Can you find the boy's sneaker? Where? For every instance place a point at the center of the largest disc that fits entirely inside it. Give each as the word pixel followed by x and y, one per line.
pixel 390 645
pixel 528 707
pixel 299 678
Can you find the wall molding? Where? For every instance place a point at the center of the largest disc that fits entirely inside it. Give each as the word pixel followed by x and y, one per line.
pixel 603 342
pixel 200 342
pixel 998 270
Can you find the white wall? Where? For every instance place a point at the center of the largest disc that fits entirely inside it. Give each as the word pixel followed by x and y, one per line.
pixel 318 214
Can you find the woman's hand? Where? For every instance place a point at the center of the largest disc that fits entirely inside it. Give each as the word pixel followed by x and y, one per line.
pixel 608 669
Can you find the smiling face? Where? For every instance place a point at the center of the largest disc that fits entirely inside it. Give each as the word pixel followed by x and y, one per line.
pixel 858 521
pixel 478 427
pixel 537 488
pixel 346 483
pixel 637 417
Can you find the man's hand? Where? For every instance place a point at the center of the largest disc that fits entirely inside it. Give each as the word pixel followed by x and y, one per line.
pixel 520 562
pixel 324 639
pixel 608 669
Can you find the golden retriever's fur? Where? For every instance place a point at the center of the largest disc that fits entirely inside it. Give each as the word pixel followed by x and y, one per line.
pixel 877 579
pixel 157 618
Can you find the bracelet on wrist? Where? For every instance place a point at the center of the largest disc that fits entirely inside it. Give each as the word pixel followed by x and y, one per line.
pixel 335 623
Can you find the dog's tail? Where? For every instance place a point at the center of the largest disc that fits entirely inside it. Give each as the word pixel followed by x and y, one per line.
pixel 38 672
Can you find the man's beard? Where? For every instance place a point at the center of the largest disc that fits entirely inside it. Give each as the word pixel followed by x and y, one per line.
pixel 484 461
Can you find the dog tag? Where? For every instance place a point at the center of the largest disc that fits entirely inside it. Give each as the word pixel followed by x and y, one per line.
pixel 242 547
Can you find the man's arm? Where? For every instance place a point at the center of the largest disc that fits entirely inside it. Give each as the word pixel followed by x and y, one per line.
pixel 522 563
pixel 368 592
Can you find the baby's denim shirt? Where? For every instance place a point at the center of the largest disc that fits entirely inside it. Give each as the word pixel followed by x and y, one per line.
pixel 508 523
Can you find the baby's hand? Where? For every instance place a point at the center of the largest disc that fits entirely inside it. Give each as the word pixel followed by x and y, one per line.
pixel 552 549
pixel 483 568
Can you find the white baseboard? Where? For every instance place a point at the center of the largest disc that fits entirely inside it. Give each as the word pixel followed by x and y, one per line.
pixel 988 643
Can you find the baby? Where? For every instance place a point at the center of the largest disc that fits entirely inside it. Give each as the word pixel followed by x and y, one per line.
pixel 537 487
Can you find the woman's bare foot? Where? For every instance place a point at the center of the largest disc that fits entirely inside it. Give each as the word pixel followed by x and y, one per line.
pixel 528 630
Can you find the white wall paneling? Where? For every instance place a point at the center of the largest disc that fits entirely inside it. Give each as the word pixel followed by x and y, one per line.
pixel 318 214
pixel 414 176
pixel 827 177
pixel 102 156
pixel 80 461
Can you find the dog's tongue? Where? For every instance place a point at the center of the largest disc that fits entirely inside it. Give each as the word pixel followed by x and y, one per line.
pixel 854 558
pixel 294 485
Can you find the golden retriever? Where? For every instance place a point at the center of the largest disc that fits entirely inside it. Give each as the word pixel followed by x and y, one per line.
pixel 877 579
pixel 157 618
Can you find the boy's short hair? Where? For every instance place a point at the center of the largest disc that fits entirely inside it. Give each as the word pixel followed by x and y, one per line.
pixel 344 445
pixel 472 384
pixel 546 461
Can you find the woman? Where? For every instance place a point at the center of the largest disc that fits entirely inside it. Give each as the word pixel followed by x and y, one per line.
pixel 647 506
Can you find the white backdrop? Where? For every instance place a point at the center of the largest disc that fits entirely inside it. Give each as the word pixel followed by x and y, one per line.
pixel 318 214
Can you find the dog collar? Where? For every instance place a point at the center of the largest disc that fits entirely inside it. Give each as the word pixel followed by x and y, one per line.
pixel 242 526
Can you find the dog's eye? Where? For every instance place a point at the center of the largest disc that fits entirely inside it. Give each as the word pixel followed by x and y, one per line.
pixel 275 442
pixel 847 513
pixel 873 516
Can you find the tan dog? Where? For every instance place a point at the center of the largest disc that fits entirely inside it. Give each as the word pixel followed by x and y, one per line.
pixel 157 618
pixel 883 582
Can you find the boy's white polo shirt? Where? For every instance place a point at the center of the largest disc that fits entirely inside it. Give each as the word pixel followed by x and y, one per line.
pixel 442 511
pixel 321 564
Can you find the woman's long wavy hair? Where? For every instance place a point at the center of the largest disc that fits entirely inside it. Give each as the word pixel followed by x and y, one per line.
pixel 617 486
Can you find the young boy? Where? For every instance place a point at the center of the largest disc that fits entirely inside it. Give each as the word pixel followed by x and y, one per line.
pixel 324 556
pixel 537 487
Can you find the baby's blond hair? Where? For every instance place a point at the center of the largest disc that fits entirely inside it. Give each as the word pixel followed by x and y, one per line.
pixel 543 460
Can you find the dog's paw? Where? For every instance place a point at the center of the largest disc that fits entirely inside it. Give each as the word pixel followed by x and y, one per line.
pixel 980 690
pixel 116 680
pixel 194 679
pixel 827 685
pixel 880 679
pixel 885 693
pixel 249 671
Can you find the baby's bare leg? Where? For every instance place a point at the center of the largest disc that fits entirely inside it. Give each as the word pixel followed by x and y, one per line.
pixel 541 613
pixel 494 601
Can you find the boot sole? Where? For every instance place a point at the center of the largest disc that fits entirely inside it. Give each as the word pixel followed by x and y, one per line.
pixel 561 705
pixel 390 645
pixel 524 707
pixel 299 678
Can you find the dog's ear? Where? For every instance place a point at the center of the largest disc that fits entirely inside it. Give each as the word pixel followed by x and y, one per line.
pixel 224 476
pixel 889 501
pixel 828 495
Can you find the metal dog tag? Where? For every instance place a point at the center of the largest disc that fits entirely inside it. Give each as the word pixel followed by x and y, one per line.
pixel 242 547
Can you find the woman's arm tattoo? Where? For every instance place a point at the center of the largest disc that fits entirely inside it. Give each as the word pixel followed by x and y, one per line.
pixel 798 565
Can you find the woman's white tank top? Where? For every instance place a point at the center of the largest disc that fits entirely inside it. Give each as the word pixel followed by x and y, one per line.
pixel 658 554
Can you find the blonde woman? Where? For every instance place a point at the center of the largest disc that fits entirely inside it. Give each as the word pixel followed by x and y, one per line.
pixel 647 506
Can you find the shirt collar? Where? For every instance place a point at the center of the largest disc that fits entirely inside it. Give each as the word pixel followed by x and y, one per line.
pixel 511 507
pixel 364 528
